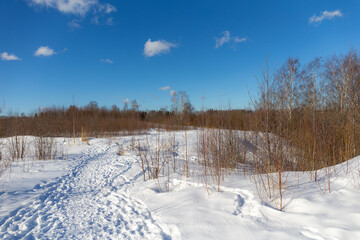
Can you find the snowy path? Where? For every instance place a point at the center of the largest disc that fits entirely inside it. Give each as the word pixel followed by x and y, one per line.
pixel 91 202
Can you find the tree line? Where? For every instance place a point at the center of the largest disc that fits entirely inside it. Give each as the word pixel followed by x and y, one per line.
pixel 314 107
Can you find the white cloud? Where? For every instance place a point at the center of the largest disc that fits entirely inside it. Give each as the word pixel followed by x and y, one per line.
pixel 226 38
pixel 9 57
pixel 172 93
pixel 109 8
pixel 325 15
pixel 79 7
pixel 165 88
pixel 238 40
pixel 74 24
pixel 126 101
pixel 44 51
pixel 106 60
pixel 157 47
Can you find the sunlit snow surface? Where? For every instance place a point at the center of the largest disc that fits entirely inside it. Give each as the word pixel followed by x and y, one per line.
pixel 94 193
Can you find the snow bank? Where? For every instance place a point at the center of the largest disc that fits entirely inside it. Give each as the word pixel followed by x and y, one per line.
pixel 95 193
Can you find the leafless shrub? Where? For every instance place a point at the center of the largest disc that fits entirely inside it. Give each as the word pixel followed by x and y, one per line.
pixel 150 159
pixel 45 148
pixel 3 163
pixel 324 181
pixel 173 151
pixel 354 175
pixel 17 147
pixel 143 155
pixel 276 90
pixel 269 172
pixel 156 160
pixel 220 152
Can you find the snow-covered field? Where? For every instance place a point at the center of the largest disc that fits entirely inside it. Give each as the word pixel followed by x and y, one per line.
pixel 95 193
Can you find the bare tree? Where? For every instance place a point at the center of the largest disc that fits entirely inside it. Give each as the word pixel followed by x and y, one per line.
pixel 277 98
pixel 343 92
pixel 1 109
pixel 312 99
pixel 289 81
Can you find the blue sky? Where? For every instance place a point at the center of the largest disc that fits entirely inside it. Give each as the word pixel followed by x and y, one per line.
pixel 60 52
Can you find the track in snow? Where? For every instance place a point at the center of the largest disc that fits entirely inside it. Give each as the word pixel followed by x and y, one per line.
pixel 91 202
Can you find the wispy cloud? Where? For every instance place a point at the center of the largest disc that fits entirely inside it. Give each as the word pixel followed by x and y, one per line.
pixel 44 51
pixel 78 7
pixel 152 48
pixel 238 40
pixel 107 8
pixel 95 20
pixel 165 88
pixel 126 101
pixel 74 24
pixel 110 21
pixel 226 38
pixel 106 60
pixel 9 57
pixel 325 15
pixel 172 93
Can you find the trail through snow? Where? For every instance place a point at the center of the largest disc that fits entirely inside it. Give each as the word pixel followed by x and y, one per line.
pixel 91 202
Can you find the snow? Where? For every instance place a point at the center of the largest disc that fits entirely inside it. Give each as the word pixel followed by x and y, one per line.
pixel 95 193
